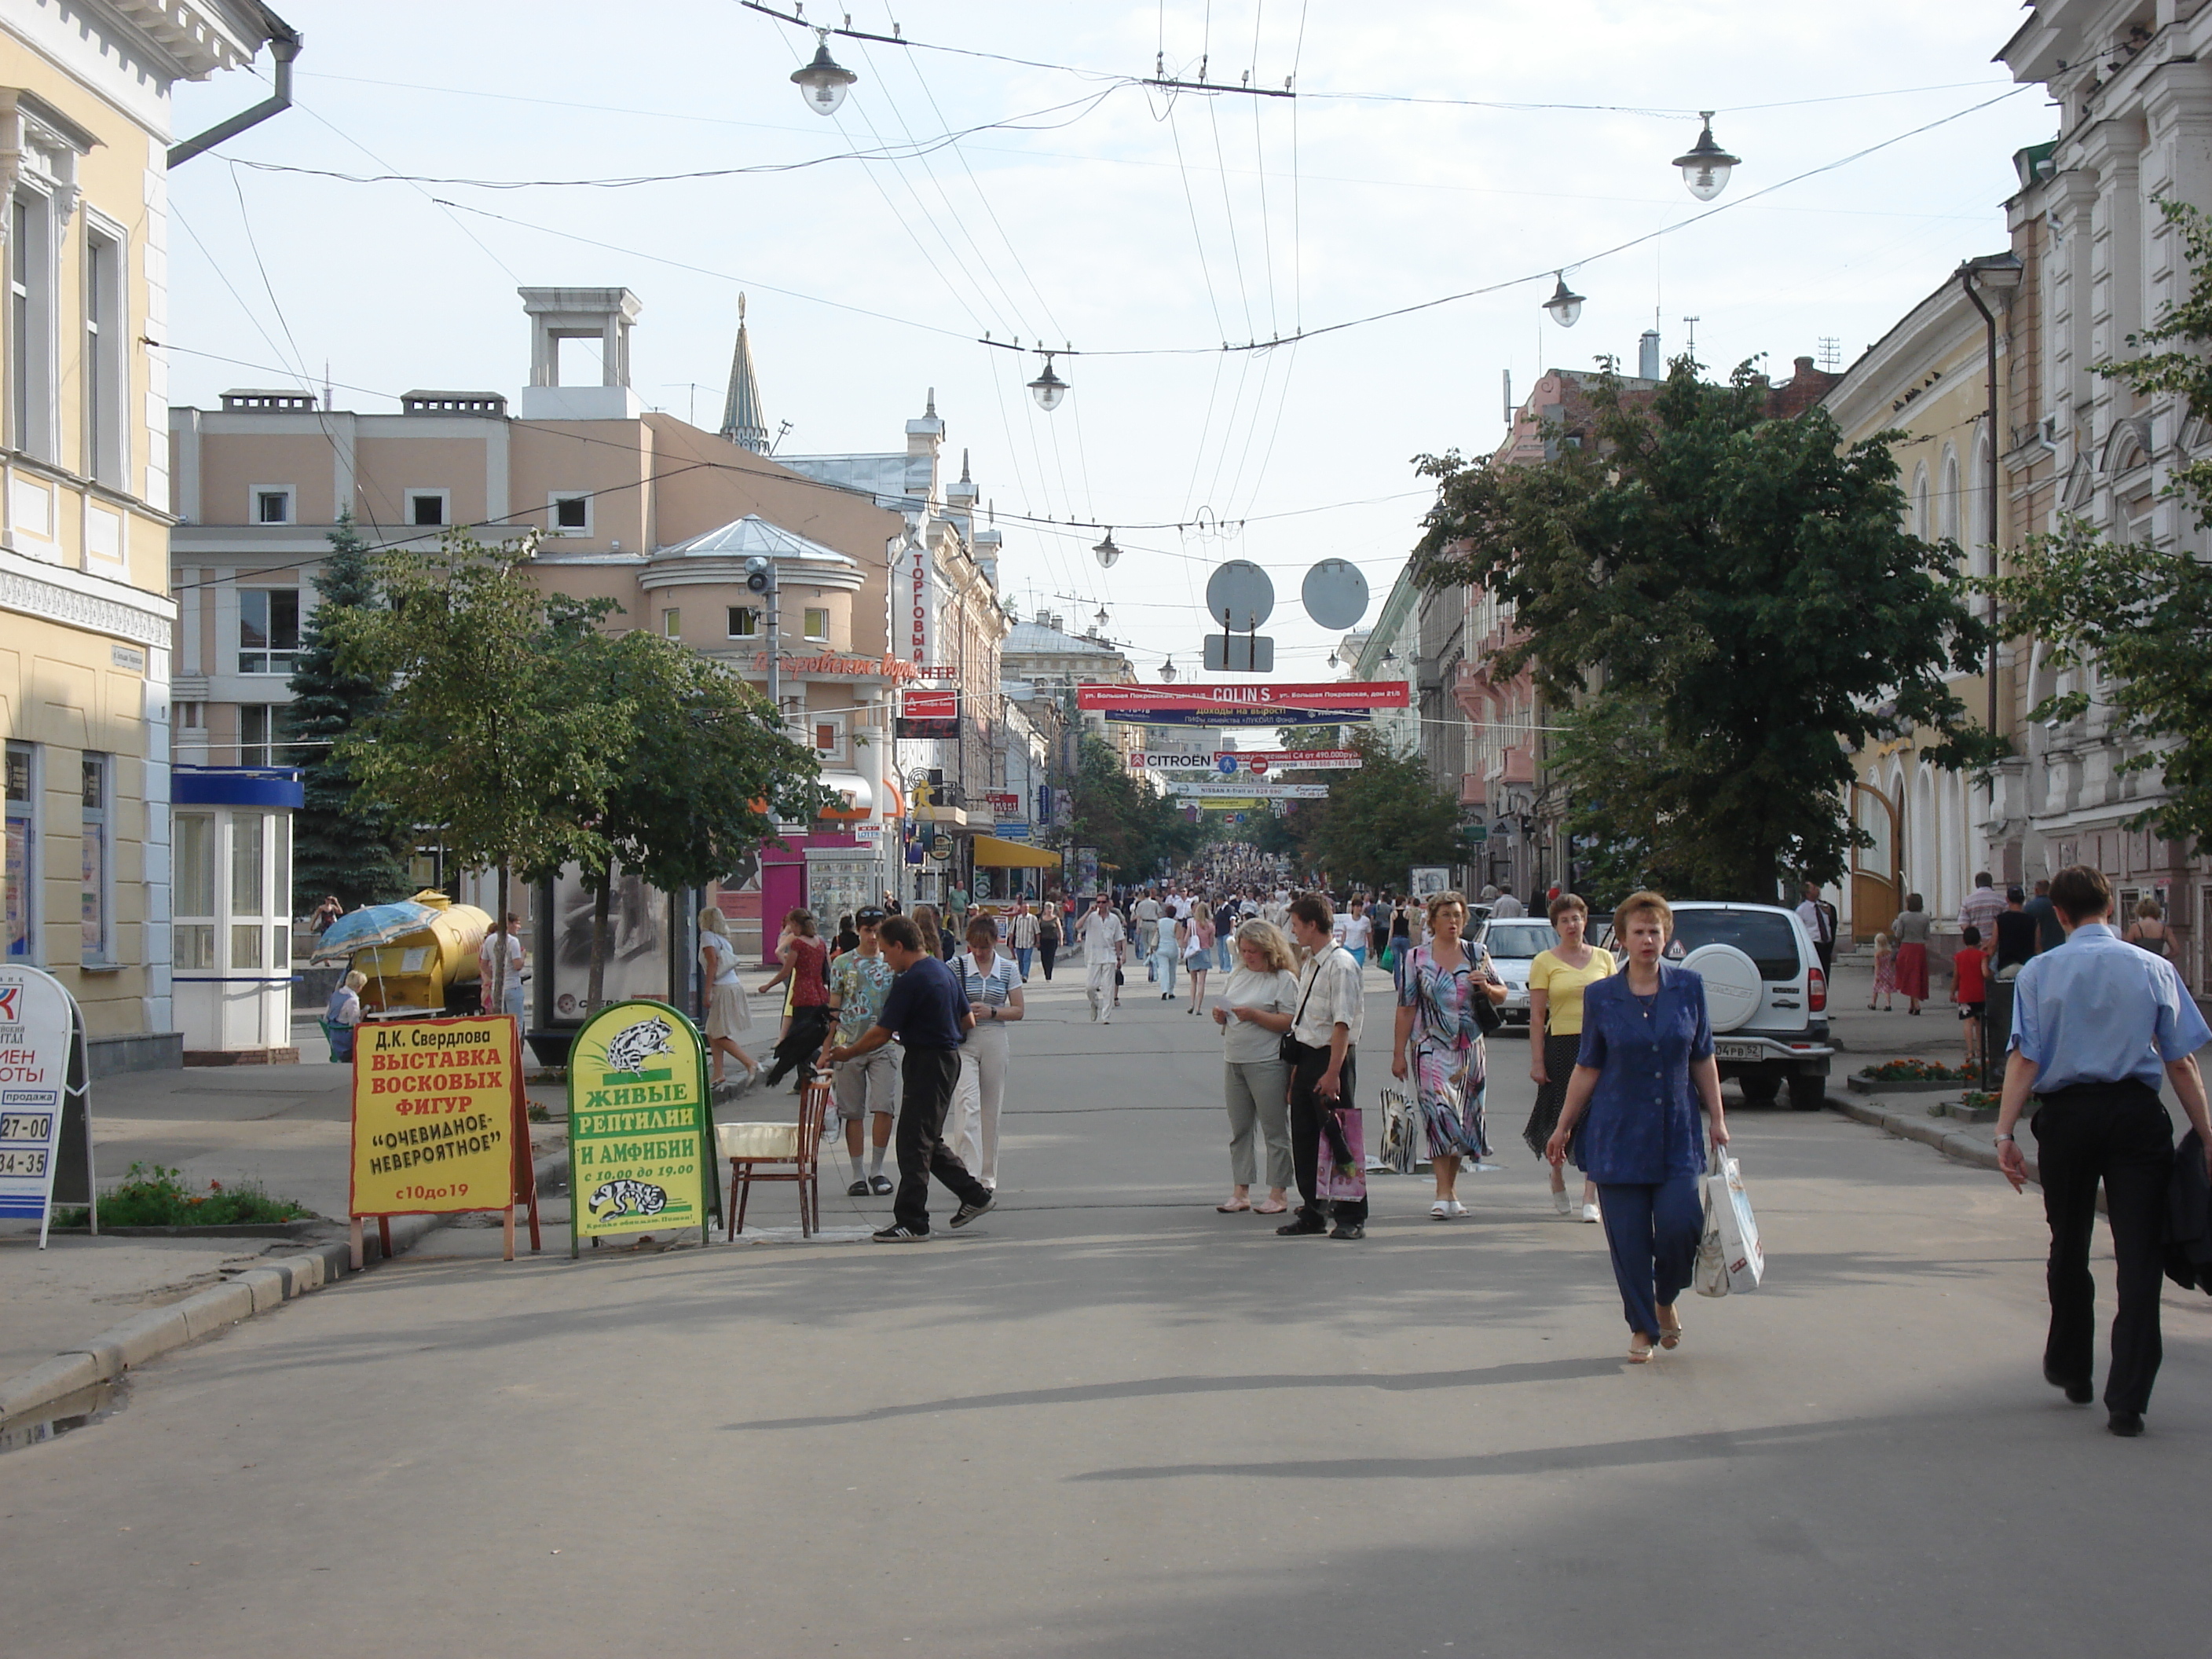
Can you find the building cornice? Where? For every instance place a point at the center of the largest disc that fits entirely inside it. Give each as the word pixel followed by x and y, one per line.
pixel 77 599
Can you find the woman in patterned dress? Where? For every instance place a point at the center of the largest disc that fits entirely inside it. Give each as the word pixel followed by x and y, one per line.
pixel 1438 1041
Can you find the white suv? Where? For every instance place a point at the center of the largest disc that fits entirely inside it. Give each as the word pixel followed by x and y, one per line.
pixel 1766 994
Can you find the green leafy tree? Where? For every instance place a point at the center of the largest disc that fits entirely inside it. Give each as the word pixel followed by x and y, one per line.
pixel 1380 820
pixel 2141 614
pixel 1747 577
pixel 493 730
pixel 343 841
pixel 705 772
pixel 1134 831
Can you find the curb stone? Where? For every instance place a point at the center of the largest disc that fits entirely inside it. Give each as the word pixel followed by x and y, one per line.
pixel 1966 1149
pixel 269 1284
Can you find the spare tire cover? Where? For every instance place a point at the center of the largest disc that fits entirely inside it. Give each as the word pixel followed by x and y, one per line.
pixel 1734 989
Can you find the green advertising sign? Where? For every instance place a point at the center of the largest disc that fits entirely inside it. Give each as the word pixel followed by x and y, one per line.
pixel 641 1138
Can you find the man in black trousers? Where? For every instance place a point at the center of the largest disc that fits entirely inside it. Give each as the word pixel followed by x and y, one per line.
pixel 2097 1024
pixel 929 1012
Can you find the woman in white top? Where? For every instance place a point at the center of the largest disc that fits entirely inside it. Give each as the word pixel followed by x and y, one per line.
pixel 993 984
pixel 1256 1009
pixel 728 1013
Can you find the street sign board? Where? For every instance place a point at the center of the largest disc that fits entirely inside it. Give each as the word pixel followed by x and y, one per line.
pixel 437 1116
pixel 44 1099
pixel 1011 829
pixel 1299 760
pixel 1262 791
pixel 1239 718
pixel 640 1139
pixel 1240 653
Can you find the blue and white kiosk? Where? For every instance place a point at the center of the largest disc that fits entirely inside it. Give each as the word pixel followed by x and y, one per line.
pixel 231 843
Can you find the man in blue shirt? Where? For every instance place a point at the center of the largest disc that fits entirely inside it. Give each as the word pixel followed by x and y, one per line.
pixel 2096 1023
pixel 929 1012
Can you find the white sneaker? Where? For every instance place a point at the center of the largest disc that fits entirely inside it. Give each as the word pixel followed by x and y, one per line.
pixel 1589 1212
pixel 1562 1203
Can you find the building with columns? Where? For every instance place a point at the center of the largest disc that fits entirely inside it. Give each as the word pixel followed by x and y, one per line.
pixel 86 617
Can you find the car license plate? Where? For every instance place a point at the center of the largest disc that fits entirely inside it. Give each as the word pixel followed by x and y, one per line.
pixel 1738 1051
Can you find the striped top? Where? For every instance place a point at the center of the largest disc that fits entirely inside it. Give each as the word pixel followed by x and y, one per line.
pixel 990 989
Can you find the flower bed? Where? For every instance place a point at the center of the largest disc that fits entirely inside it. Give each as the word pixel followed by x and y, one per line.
pixel 1918 1071
pixel 149 1196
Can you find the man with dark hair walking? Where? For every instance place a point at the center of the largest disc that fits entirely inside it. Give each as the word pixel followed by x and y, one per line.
pixel 2095 1024
pixel 1324 1040
pixel 928 1012
pixel 1819 918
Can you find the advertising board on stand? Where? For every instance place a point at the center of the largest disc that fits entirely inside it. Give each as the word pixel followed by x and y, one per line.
pixel 439 1126
pixel 45 1118
pixel 640 1137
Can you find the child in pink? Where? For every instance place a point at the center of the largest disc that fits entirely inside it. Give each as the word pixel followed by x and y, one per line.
pixel 1885 974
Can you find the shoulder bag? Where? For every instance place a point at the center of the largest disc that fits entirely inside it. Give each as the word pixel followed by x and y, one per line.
pixel 1287 1047
pixel 1488 1018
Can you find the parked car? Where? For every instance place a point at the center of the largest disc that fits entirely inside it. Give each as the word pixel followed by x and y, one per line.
pixel 1766 993
pixel 1514 942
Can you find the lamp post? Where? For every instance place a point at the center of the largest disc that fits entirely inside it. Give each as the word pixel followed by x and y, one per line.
pixel 2000 273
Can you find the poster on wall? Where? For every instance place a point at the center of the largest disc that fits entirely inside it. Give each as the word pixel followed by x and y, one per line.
pixel 637 944
pixel 840 881
pixel 639 1152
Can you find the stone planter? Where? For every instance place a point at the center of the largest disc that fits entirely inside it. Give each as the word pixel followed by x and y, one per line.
pixel 1965 1114
pixel 1867 1085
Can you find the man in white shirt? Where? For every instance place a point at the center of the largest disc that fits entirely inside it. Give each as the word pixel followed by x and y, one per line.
pixel 1819 918
pixel 488 955
pixel 1146 913
pixel 1326 1028
pixel 1506 905
pixel 1354 931
pixel 1105 942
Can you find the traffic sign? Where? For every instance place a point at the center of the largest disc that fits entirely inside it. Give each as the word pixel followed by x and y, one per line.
pixel 1259 765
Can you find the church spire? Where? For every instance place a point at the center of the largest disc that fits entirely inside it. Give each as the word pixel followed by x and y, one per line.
pixel 743 423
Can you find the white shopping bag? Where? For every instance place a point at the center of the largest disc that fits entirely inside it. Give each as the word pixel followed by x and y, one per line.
pixel 1709 1276
pixel 1730 1220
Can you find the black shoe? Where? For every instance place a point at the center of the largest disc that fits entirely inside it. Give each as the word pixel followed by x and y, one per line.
pixel 897 1233
pixel 2079 1393
pixel 967 1212
pixel 1302 1228
pixel 2126 1424
pixel 858 1189
pixel 1349 1230
pixel 880 1185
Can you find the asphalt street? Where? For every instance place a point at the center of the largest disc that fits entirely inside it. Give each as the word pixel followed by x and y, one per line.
pixel 1108 1421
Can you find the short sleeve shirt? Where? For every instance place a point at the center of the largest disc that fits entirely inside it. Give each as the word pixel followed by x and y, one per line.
pixel 860 984
pixel 1331 994
pixel 926 1006
pixel 2097 1010
pixel 1563 987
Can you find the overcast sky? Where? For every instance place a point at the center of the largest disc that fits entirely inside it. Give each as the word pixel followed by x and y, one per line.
pixel 1108 215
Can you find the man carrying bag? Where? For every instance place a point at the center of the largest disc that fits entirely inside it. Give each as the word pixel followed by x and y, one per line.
pixel 2095 1024
pixel 1320 1048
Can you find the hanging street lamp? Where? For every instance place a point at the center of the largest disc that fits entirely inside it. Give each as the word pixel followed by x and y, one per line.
pixel 1168 671
pixel 1565 304
pixel 1706 165
pixel 1049 388
pixel 1105 552
pixel 824 80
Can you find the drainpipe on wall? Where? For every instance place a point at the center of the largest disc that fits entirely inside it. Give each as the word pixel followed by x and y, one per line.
pixel 283 47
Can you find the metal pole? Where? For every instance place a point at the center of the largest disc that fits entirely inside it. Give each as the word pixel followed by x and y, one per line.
pixel 774 646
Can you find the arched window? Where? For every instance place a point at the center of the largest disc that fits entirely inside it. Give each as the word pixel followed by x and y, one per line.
pixel 1922 526
pixel 1948 501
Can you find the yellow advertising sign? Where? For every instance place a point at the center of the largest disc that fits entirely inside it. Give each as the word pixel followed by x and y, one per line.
pixel 434 1111
pixel 640 1143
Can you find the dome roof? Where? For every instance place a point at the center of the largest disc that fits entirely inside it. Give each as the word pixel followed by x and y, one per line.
pixel 753 536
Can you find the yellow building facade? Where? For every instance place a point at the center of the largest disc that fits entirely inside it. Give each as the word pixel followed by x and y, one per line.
pixel 86 613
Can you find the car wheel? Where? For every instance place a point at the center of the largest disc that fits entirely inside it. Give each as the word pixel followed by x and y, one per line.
pixel 1759 1088
pixel 1808 1092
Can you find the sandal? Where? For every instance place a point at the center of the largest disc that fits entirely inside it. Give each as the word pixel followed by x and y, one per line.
pixel 1271 1209
pixel 1640 1349
pixel 1235 1207
pixel 1670 1336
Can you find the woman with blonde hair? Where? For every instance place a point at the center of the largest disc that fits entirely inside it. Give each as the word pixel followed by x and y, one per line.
pixel 1256 1007
pixel 727 1013
pixel 1630 1119
pixel 1439 1041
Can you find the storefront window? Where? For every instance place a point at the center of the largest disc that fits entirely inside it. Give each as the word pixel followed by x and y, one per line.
pixel 194 889
pixel 21 869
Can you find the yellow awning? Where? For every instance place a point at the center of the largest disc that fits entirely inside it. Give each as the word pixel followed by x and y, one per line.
pixel 995 854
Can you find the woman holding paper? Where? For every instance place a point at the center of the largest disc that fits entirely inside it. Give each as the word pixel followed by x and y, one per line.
pixel 1256 1009
pixel 1630 1119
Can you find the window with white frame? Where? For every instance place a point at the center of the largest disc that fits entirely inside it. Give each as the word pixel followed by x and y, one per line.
pixel 429 507
pixel 193 890
pixel 268 629
pixel 22 866
pixel 248 878
pixel 92 837
pixel 107 358
pixel 745 622
pixel 273 504
pixel 817 622
pixel 671 623
pixel 570 513
pixel 828 732
pixel 31 322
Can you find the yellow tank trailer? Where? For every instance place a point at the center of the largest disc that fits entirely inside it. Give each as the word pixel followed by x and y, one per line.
pixel 421 974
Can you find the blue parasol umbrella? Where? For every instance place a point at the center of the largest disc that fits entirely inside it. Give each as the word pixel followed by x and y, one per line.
pixel 366 928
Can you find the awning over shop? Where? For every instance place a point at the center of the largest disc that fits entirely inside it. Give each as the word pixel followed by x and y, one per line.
pixel 994 854
pixel 859 798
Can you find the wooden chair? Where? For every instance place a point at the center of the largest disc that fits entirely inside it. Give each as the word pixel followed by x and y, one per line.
pixel 791 1151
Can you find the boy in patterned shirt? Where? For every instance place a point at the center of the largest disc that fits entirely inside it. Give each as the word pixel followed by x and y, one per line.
pixel 859 980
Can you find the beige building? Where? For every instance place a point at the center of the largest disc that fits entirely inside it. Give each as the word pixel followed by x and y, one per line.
pixel 625 503
pixel 86 616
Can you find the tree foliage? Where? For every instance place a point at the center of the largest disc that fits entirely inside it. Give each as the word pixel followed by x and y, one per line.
pixel 2138 615
pixel 343 841
pixel 1747 579
pixel 1134 829
pixel 1378 821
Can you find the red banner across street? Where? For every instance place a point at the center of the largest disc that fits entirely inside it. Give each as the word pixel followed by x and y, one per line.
pixel 1334 694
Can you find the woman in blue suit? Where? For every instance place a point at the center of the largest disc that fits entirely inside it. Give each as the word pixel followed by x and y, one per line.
pixel 1631 1118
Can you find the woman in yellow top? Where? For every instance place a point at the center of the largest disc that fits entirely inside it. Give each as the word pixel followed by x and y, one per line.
pixel 1556 980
